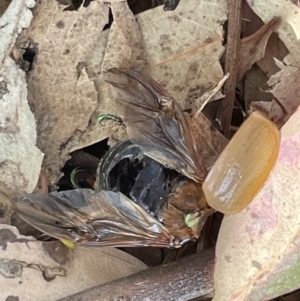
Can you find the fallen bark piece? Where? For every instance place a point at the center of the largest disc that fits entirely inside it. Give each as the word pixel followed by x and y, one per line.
pixel 20 159
pixel 190 277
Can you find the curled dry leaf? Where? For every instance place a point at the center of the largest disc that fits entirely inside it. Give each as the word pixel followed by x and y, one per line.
pixel 260 244
pixel 47 271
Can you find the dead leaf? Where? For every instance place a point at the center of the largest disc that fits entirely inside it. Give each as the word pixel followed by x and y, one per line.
pixel 275 47
pixel 256 87
pixel 187 67
pixel 123 49
pixel 60 94
pixel 289 29
pixel 253 47
pixel 285 88
pixel 46 271
pixel 260 244
pixel 211 140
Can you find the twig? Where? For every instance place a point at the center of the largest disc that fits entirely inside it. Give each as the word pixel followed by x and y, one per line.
pixel 232 52
pixel 189 278
pixel 206 97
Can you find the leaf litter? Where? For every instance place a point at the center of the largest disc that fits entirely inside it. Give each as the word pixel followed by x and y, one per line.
pixel 39 270
pixel 66 93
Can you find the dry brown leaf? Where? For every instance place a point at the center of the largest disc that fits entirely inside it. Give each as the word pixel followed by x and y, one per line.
pixel 124 43
pixel 253 47
pixel 60 94
pixel 270 109
pixel 285 88
pixel 211 140
pixel 181 49
pixel 289 29
pixel 119 46
pixel 256 87
pixel 20 159
pixel 287 91
pixel 184 52
pixel 275 47
pixel 45 271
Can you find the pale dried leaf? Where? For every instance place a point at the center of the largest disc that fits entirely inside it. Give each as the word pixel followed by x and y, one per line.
pixel 20 160
pixel 261 243
pixel 285 87
pixel 185 65
pixel 119 46
pixel 61 96
pixel 289 29
pixel 124 41
pixel 28 265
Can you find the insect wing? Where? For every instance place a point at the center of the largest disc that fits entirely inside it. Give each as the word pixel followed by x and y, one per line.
pixel 98 219
pixel 156 122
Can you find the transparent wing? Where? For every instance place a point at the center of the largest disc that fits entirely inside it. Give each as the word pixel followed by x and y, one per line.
pixel 156 122
pixel 98 219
